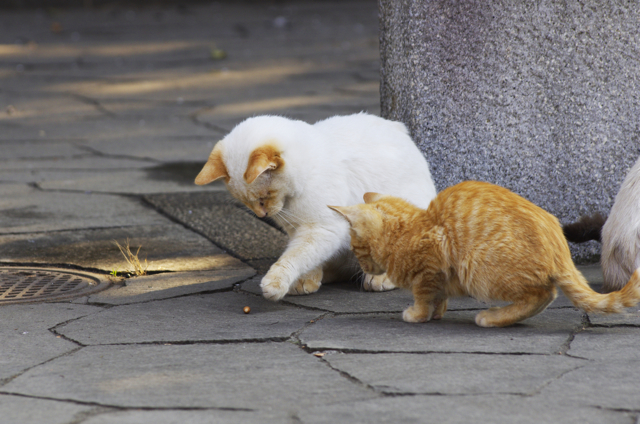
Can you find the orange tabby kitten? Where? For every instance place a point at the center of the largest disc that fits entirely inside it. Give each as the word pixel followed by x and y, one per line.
pixel 475 239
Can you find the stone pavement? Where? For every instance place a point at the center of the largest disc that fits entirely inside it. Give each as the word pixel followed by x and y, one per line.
pixel 106 116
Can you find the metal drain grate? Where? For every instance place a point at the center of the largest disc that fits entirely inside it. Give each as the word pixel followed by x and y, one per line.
pixel 23 285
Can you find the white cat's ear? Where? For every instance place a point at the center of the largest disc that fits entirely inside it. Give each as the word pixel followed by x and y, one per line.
pixel 213 169
pixel 262 159
pixel 348 212
pixel 371 197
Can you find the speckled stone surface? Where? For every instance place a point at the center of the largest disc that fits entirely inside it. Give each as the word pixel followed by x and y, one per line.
pixel 540 97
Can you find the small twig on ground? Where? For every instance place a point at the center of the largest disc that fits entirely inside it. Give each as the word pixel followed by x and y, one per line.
pixel 132 258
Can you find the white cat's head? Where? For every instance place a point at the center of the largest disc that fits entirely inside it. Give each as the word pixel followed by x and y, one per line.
pixel 250 159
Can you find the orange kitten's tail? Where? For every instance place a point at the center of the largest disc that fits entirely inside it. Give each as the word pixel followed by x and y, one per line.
pixel 582 296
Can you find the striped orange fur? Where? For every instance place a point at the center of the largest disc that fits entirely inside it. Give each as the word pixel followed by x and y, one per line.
pixel 475 239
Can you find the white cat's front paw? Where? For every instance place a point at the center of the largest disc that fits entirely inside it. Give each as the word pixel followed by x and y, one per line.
pixel 273 286
pixel 377 283
pixel 308 283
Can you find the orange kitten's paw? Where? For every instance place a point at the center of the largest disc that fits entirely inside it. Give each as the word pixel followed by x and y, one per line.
pixel 308 283
pixel 412 314
pixel 377 283
pixel 273 288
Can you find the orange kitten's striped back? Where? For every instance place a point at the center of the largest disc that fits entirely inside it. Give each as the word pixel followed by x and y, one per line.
pixel 475 239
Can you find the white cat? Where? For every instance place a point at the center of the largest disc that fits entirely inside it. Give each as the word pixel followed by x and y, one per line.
pixel 290 171
pixel 621 233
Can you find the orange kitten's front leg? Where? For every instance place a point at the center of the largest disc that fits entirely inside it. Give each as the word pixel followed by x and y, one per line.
pixel 425 308
pixel 428 302
pixel 439 309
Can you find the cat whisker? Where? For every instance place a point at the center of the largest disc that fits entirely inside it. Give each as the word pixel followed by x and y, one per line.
pixel 288 217
pixel 282 217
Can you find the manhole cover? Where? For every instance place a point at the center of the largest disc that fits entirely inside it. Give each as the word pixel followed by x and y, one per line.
pixel 23 285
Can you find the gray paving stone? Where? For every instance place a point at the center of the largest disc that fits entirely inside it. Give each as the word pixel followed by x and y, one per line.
pixel 453 373
pixel 167 285
pixel 210 416
pixel 14 150
pixel 160 147
pixel 456 332
pixel 220 218
pixel 22 410
pixel 29 109
pixel 612 385
pixel 24 209
pixel 137 108
pixel 210 317
pixel 467 409
pixel 115 181
pixel 619 344
pixel 248 376
pixel 85 162
pixel 630 317
pixel 105 128
pixel 165 247
pixel 26 339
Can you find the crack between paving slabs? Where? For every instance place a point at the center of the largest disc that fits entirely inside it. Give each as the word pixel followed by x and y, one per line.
pixel 213 291
pixel 130 408
pixel 296 340
pixel 620 325
pixel 194 116
pixel 101 154
pixel 628 411
pixel 82 416
pixel 199 342
pixel 95 103
pixel 350 377
pixel 7 380
pixel 556 378
pixel 54 330
pixel 385 393
pixel 585 323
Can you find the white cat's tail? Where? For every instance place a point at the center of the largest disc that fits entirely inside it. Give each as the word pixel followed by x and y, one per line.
pixel 577 289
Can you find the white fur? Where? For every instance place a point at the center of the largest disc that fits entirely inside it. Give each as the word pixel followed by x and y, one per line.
pixel 333 162
pixel 621 233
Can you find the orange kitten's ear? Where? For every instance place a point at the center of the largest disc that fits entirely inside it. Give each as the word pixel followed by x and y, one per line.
pixel 371 197
pixel 262 159
pixel 347 212
pixel 213 169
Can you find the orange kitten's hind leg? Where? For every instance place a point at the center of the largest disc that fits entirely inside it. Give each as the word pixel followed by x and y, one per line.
pixel 517 311
pixel 308 283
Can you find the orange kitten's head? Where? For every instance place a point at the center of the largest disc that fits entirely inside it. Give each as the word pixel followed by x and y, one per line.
pixel 367 232
pixel 254 181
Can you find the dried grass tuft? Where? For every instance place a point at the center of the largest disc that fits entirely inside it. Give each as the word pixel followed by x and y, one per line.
pixel 139 268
